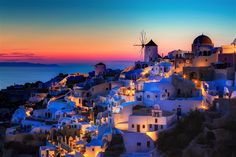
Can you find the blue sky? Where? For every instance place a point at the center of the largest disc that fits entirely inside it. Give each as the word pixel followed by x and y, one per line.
pixel 172 24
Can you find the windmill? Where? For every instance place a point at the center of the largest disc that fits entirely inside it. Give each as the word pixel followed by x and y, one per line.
pixel 143 41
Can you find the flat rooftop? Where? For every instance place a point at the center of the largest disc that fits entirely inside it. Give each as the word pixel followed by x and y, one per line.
pixel 148 112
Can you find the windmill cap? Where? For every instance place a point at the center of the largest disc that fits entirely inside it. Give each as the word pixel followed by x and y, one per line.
pixel 151 43
pixel 100 63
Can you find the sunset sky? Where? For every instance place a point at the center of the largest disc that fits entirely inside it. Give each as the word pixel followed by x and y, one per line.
pixel 56 31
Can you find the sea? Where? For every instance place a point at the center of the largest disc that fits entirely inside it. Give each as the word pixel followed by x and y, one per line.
pixel 21 75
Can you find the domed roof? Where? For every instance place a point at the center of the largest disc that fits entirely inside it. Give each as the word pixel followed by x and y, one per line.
pixel 156 107
pixel 100 63
pixel 202 40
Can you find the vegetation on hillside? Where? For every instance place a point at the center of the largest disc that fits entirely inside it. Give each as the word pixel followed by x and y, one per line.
pixel 173 141
pixel 115 147
pixel 28 146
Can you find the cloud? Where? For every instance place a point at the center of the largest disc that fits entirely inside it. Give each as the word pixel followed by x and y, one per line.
pixel 20 56
pixel 17 54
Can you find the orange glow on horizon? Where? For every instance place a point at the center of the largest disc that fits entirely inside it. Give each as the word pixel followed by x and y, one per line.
pixel 66 45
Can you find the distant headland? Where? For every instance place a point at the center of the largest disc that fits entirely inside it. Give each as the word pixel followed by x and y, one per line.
pixel 25 64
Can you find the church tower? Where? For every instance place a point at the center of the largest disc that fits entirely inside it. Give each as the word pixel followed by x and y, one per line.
pixel 150 52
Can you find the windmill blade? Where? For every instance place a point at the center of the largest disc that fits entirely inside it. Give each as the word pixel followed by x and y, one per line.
pixel 143 37
pixel 143 40
pixel 141 52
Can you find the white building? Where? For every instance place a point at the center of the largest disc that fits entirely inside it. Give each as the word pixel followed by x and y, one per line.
pixel 99 144
pixel 19 115
pixel 100 68
pixel 150 120
pixel 162 69
pixel 154 91
pixel 177 54
pixel 138 145
pixel 121 114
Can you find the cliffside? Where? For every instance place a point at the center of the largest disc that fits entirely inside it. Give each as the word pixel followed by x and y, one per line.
pixel 217 140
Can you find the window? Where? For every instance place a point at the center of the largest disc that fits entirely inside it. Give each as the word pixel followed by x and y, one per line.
pixel 161 126
pixel 148 144
pixel 106 88
pixel 87 94
pixel 156 96
pixel 156 127
pixel 138 143
pixel 209 53
pixel 148 96
pixel 150 126
pixel 156 120
pixel 206 60
pixel 93 149
pixel 178 92
pixel 132 125
pixel 143 126
pixel 47 152
pixel 138 128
